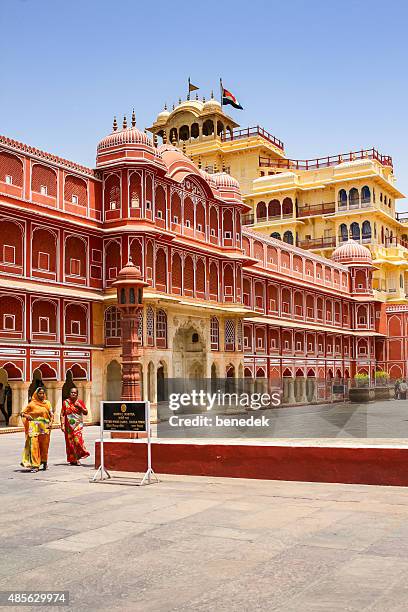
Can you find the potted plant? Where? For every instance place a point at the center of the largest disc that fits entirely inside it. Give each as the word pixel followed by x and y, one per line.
pixel 362 392
pixel 383 390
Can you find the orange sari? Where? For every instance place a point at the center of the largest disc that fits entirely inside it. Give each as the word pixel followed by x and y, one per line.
pixel 37 432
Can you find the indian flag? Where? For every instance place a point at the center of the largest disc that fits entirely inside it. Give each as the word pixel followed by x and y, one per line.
pixel 229 98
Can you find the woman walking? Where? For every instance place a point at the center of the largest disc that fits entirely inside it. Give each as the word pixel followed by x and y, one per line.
pixel 38 416
pixel 72 422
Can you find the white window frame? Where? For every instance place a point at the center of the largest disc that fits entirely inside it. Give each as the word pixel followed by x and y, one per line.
pixel 42 320
pixel 9 179
pixel 43 190
pixel 48 261
pixel 74 199
pixel 13 318
pixel 71 273
pixel 5 262
pixel 73 333
pixel 112 275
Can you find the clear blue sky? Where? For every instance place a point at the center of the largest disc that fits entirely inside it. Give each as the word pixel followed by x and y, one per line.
pixel 324 76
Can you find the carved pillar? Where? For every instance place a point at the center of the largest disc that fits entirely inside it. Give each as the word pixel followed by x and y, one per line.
pixel 20 401
pixel 129 286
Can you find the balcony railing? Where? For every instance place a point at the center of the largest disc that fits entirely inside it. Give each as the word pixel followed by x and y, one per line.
pixel 317 243
pixel 325 162
pixel 252 131
pixel 316 209
pixel 394 241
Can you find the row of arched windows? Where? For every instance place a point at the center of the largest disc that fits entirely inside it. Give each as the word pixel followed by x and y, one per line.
pixel 356 232
pixel 275 257
pixel 44 180
pixel 274 209
pixel 282 301
pixel 188 275
pixel 195 130
pixel 354 198
pixel 366 232
pixel 44 247
pixel 44 323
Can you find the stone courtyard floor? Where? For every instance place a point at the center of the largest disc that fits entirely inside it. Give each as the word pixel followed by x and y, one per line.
pixel 193 543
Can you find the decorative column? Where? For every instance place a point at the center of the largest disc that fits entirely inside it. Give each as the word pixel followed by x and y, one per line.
pixel 129 286
pixel 20 401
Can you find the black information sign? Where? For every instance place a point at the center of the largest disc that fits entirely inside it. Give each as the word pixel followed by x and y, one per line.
pixel 124 416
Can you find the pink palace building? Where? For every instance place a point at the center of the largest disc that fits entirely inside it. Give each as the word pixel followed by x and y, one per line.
pixel 222 300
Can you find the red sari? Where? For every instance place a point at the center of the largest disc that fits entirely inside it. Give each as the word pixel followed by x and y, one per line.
pixel 72 422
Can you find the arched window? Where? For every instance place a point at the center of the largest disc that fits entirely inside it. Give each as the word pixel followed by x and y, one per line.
pixel 44 180
pixel 214 287
pixel 366 231
pixel 150 326
pixel 112 193
pixel 287 207
pixel 176 274
pixel 343 232
pixel 208 127
pixel 175 208
pixel 188 276
pixel 365 195
pixel 276 235
pixel 188 213
pixel 195 130
pixel 220 128
pixel 274 209
pixel 229 335
pixel 342 198
pixel 184 133
pixel 160 203
pixel 288 237
pixel 215 334
pixel 161 329
pixel 161 270
pixel 354 198
pixel 11 169
pixel 75 191
pixel 112 322
pixel 261 211
pixel 355 231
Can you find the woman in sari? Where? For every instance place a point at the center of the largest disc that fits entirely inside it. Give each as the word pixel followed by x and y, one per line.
pixel 38 416
pixel 72 422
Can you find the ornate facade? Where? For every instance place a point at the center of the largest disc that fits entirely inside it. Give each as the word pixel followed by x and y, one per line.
pixel 221 299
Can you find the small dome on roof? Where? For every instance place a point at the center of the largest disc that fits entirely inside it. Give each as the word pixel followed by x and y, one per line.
pixel 192 105
pixel 211 104
pixel 223 179
pixel 352 252
pixel 207 177
pixel 163 116
pixel 126 136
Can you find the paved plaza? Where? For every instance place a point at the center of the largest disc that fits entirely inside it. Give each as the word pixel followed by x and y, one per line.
pixel 193 543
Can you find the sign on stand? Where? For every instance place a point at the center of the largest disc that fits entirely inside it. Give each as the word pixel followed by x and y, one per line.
pixel 129 417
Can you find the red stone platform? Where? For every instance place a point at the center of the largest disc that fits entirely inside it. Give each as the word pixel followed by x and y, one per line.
pixel 356 462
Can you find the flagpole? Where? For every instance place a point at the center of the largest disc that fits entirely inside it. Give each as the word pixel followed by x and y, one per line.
pixel 188 94
pixel 221 88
